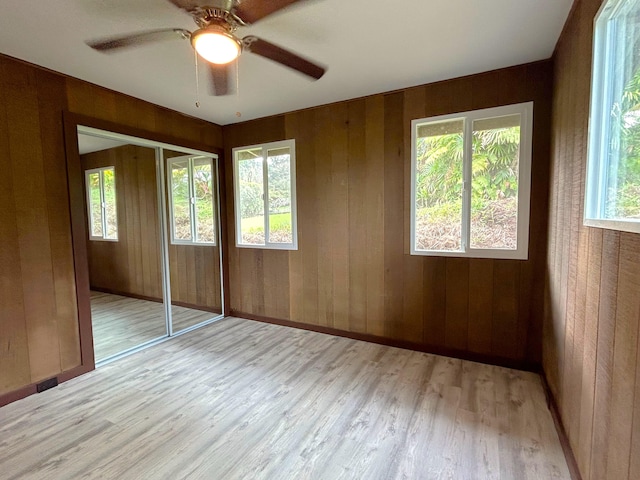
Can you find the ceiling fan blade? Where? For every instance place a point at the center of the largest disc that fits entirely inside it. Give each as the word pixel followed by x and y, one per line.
pixel 190 5
pixel 219 79
pixel 250 11
pixel 284 57
pixel 136 39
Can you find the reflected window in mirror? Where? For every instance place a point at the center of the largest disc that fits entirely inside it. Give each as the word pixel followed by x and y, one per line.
pixel 192 200
pixel 101 203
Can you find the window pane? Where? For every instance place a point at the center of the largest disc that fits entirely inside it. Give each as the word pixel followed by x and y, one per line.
pixel 438 189
pixel 111 218
pixel 180 200
pixel 622 185
pixel 494 183
pixel 203 190
pixel 251 196
pixel 279 180
pixel 95 204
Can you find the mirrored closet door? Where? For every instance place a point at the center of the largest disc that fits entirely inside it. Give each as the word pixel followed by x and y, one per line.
pixel 153 240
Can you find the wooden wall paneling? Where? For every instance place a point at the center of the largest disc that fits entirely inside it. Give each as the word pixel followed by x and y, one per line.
pixel 199 265
pixel 374 213
pixel 413 275
pixel 434 268
pixel 434 307
pixel 29 191
pixel 257 299
pixel 590 351
pixel 86 99
pixel 324 215
pixel 286 127
pixel 152 121
pixel 146 243
pixel 152 228
pixel 408 298
pixel 393 222
pixel 15 370
pixel 77 211
pixel 51 101
pixel 374 221
pixel 339 201
pixel 276 291
pixel 480 305
pixel 506 280
pixel 566 244
pixel 457 302
pixel 593 311
pixel 192 284
pixel 634 465
pixel 307 260
pixel 624 357
pixel 533 273
pixel 578 288
pixel 605 348
pixel 357 229
pixel 136 219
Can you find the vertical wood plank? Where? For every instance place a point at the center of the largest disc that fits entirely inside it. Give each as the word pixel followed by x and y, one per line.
pixel 31 209
pixel 480 305
pixel 624 358
pixel 457 303
pixel 394 223
pixel 605 348
pixel 15 370
pixel 357 210
pixel 506 278
pixel 51 100
pixel 339 201
pixel 374 201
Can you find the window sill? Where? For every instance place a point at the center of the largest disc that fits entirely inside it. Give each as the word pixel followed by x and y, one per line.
pixel 619 225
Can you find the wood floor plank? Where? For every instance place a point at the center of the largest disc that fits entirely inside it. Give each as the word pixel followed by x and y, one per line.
pixel 240 399
pixel 121 323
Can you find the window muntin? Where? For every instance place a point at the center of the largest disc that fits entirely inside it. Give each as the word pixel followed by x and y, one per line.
pixel 192 200
pixel 470 181
pixel 612 194
pixel 101 203
pixel 265 186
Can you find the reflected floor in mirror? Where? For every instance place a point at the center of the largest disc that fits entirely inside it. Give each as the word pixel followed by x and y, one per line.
pixel 120 322
pixel 239 399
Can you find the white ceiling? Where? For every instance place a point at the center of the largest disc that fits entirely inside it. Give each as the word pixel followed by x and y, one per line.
pixel 369 46
pixel 91 143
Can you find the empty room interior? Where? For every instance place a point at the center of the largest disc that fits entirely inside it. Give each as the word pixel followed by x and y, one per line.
pixel 317 239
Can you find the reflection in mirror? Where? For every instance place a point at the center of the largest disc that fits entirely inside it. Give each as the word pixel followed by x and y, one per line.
pixel 124 249
pixel 194 250
pixel 153 250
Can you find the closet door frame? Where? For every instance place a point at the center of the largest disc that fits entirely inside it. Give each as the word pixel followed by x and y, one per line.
pixel 74 124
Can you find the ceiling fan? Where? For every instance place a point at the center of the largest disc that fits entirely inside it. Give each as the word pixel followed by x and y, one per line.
pixel 215 38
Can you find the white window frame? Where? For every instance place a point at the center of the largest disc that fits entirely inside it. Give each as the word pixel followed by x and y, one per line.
pixel 524 181
pixel 291 144
pixel 602 77
pixel 192 201
pixel 103 205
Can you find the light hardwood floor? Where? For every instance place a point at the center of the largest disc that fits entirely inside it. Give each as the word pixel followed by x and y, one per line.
pixel 243 400
pixel 120 323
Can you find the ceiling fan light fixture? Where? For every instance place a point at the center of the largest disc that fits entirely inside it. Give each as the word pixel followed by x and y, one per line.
pixel 215 45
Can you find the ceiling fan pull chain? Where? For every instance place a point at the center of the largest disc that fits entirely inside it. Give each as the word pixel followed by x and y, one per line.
pixel 195 55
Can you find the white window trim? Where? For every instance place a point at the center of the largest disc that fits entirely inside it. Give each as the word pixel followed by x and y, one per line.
pixel 524 181
pixel 100 171
pixel 596 178
pixel 294 204
pixel 192 205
